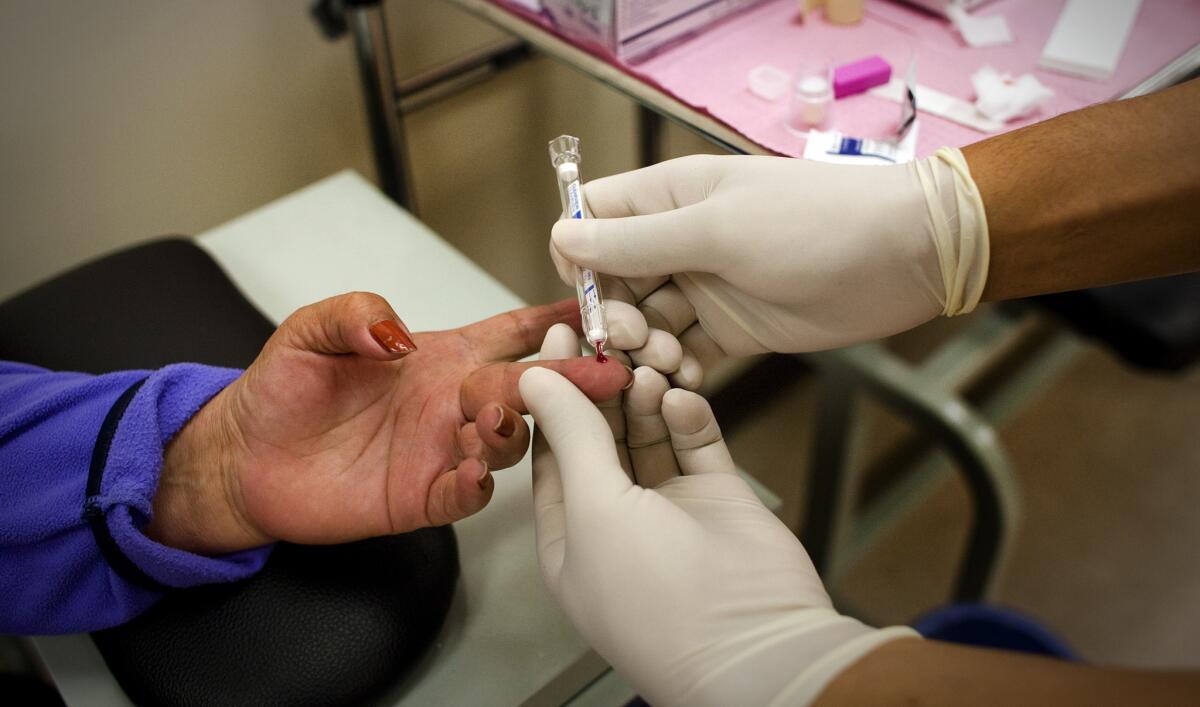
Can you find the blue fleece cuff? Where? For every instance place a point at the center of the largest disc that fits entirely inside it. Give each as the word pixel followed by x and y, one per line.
pixel 155 413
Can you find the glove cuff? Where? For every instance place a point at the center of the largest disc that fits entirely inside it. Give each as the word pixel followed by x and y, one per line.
pixel 786 662
pixel 810 683
pixel 959 228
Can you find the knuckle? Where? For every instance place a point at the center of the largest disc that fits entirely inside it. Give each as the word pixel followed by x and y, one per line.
pixel 365 301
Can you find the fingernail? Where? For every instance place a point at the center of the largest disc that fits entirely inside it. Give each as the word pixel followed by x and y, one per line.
pixel 392 337
pixel 485 479
pixel 504 426
pixel 631 379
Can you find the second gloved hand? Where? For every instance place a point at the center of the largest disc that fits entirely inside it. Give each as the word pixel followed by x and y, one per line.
pixel 683 581
pixel 786 255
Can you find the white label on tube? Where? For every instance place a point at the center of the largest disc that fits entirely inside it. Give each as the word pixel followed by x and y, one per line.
pixel 574 203
pixel 575 210
pixel 589 287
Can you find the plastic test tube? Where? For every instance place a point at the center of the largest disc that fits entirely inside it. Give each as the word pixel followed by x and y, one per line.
pixel 564 155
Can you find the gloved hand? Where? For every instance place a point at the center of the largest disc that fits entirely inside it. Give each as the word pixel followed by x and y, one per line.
pixel 779 254
pixel 683 581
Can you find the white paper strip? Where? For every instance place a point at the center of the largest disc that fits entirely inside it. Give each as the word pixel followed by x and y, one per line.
pixel 1089 37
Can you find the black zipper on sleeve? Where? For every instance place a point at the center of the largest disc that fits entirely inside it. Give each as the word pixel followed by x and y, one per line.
pixel 92 512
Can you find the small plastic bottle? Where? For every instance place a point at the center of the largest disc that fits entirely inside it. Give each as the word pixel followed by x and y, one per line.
pixel 812 96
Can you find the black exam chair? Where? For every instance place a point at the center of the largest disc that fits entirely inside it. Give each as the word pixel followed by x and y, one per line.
pixel 331 625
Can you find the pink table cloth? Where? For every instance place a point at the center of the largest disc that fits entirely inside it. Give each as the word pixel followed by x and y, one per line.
pixel 708 71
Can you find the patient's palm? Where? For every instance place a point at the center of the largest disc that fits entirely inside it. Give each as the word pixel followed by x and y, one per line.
pixel 339 447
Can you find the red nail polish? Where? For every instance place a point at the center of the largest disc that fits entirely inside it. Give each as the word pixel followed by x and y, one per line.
pixel 504 426
pixel 392 337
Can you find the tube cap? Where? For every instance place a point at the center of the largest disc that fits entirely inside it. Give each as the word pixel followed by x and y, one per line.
pixel 562 148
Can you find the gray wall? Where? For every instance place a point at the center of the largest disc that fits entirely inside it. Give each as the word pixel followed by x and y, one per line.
pixel 126 119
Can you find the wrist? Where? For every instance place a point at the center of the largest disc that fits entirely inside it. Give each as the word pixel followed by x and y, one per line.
pixel 197 504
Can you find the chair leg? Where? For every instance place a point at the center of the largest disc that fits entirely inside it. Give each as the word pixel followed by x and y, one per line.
pixel 984 466
pixel 829 490
pixel 978 456
pixel 968 438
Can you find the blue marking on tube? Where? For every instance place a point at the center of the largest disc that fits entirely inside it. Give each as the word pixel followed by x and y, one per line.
pixel 850 146
pixel 588 289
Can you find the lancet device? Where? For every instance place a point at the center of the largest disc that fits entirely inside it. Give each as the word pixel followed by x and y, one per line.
pixel 564 155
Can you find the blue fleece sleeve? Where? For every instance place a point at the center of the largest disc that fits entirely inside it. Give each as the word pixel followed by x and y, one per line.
pixel 80 457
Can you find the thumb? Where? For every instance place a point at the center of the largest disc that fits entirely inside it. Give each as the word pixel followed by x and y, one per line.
pixel 577 434
pixel 638 246
pixel 358 322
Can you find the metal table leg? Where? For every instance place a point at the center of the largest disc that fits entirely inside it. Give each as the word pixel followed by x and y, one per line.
pixel 379 92
pixel 831 488
pixel 839 532
pixel 650 126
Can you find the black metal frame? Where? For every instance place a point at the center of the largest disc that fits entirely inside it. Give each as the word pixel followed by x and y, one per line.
pixel 389 100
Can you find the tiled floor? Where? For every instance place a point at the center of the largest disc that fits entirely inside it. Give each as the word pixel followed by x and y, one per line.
pixel 1108 553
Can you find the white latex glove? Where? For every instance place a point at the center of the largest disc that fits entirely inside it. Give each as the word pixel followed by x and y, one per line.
pixel 686 584
pixel 780 254
pixel 633 343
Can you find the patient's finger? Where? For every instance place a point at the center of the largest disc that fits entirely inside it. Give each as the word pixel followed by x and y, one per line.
pixel 497 382
pixel 666 308
pixel 357 322
pixel 647 434
pixel 502 435
pixel 662 352
pixel 458 493
pixel 519 333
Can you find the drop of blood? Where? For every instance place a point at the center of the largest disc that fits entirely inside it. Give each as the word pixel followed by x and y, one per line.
pixel 600 357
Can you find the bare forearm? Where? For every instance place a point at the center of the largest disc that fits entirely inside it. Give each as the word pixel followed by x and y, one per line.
pixel 917 672
pixel 1103 195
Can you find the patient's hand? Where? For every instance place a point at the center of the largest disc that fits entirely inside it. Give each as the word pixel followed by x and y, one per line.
pixel 329 436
